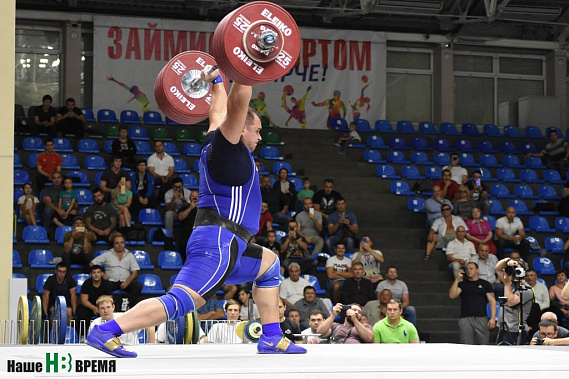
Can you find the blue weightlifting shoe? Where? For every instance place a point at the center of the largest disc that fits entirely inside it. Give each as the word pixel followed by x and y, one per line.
pixel 108 343
pixel 278 344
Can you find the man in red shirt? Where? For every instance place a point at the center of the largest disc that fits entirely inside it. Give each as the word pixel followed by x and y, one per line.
pixel 449 186
pixel 47 163
pixel 265 224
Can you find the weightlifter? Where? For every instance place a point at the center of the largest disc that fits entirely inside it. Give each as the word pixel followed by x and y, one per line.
pixel 219 250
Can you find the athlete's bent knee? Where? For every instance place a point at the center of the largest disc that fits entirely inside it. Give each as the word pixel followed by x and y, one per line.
pixel 271 278
pixel 177 303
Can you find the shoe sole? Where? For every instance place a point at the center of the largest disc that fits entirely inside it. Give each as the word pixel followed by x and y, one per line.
pixel 97 345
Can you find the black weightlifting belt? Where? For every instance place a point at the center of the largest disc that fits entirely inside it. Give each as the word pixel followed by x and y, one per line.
pixel 207 216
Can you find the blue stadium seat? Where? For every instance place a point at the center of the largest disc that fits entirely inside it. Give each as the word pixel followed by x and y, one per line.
pixel 562 224
pixel 507 175
pixel 33 144
pixel 314 283
pixel 180 166
pixel 40 258
pixel 297 183
pixel 16 260
pixel 18 192
pixel 271 153
pixel 21 177
pixel 534 132
pixel 534 244
pixel 107 115
pixel 544 266
pixel 511 161
pixel 108 147
pixel 339 124
pixel 433 172
pixel 467 160
pixel 138 133
pixel 62 145
pixel 173 279
pixel 170 148
pixel 373 156
pixel 395 156
pixel 80 179
pixel 98 178
pixel 496 208
pixel 152 118
pixel 416 204
pixel 281 164
pixel 524 191
pixel 398 143
pixel 534 162
pixel 465 146
pixel 552 177
pixel 489 160
pixel 190 181
pixel 400 187
pixel 143 259
pixel 529 176
pixel 386 171
pixel 69 162
pixel 35 234
pixel 420 158
pixel 130 117
pixel 169 121
pixel 539 224
pixel 84 197
pixel 280 234
pixel 420 144
pixel 80 279
pixel 554 244
pixel 363 126
pixel 449 129
pixel 40 281
pixel 384 126
pixel 143 147
pixel 411 173
pixel 427 127
pixel 547 192
pixel 376 142
pixel 262 172
pixel 486 146
pixel 544 213
pixel 192 149
pixel 521 207
pixel 486 175
pixel 492 130
pixel 470 130
pixel 95 162
pixel 88 146
pixel 442 144
pixel 512 131
pixel 500 191
pixel 491 220
pixel 151 284
pixel 406 127
pixel 528 147
pixel 441 159
pixel 508 147
pixel 149 216
pixel 170 260
pixel 89 115
pixel 60 233
pixel 17 161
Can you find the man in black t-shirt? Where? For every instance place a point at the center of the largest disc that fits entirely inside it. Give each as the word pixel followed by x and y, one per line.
pixel 276 200
pixel 112 176
pixel 44 118
pixel 288 327
pixel 479 192
pixel 124 147
pixel 91 290
pixel 59 285
pixel 101 218
pixel 325 199
pixel 70 120
pixel 474 294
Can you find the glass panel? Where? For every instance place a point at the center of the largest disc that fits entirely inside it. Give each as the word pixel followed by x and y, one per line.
pixel 408 60
pixel 37 75
pixel 521 66
pixel 37 39
pixel 409 97
pixel 471 63
pixel 474 100
pixel 513 89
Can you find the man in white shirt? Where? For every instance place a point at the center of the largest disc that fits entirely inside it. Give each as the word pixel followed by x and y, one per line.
pixel 510 234
pixel 161 167
pixel 459 173
pixel 314 320
pixel 459 251
pixel 487 267
pixel 540 290
pixel 292 288
pixel 226 332
pixel 338 269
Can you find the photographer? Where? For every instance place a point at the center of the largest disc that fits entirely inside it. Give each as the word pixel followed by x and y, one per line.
pixel 176 198
pixel 77 244
pixel 548 335
pixel 294 248
pixel 518 298
pixel 351 331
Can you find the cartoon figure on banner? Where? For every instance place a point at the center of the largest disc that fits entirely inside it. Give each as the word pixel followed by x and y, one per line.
pixel 260 106
pixel 138 94
pixel 298 110
pixel 361 102
pixel 336 108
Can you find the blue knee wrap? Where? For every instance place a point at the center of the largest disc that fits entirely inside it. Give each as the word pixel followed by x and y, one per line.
pixel 271 278
pixel 177 303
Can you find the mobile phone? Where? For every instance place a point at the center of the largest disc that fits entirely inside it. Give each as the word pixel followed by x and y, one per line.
pixel 311 211
pixel 478 182
pixel 80 229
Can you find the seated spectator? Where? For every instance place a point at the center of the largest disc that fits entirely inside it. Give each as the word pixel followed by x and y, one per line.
pixel 400 292
pixel 47 164
pixel 370 258
pixel 44 118
pixel 479 231
pixel 121 198
pixel 433 205
pixel 77 244
pixel 50 200
pixel 121 269
pixel 487 267
pixel 357 290
pixel 557 150
pixel 307 304
pixel 124 147
pixel 459 251
pixel 211 310
pixel 91 290
pixel 101 218
pixel 376 310
pixel 510 234
pixel 294 248
pixel 351 331
pixel 244 297
pixel 294 316
pixel 28 204
pixel 68 203
pixel 540 290
pixel 70 120
pixel 462 205
pixel 393 328
pixel 566 248
pixel 272 244
pixel 106 307
pixel 292 288
pixel 276 201
pixel 559 304
pixel 176 198
pixel 265 224
pixel 338 269
pixel 443 230
pixel 226 332
pixel 306 192
pixel 325 200
pixel 342 227
pixel 563 206
pixel 288 327
pixel 348 138
pixel 142 189
pixel 113 177
pixel 59 285
pixel 187 216
pixel 458 173
pixel 287 189
pixel 448 186
pixel 549 335
pixel 479 192
pixel 315 319
pixel 161 167
pixel 310 225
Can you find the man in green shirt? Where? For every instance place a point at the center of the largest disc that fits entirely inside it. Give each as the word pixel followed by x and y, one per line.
pixel 393 328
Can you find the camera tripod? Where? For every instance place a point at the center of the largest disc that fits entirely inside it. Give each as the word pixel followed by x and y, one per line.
pixel 518 287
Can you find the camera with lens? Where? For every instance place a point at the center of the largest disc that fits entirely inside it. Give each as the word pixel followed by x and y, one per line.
pixel 539 341
pixel 516 271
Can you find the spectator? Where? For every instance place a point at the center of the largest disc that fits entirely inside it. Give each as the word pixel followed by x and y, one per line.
pixel 91 290
pixel 566 248
pixel 211 310
pixel 357 290
pixel 124 147
pixel 292 288
pixel 68 203
pixel 559 305
pixel 294 316
pixel 113 177
pixel 275 200
pixel 486 263
pixel 458 173
pixel 433 205
pixel 557 152
pixel 294 248
pixel 306 192
pixel 325 199
pixel 539 289
pixel 479 231
pixel 70 120
pixel 474 294
pixel 176 198
pixel 338 269
pixel 342 227
pixel 510 234
pixel 448 186
pixel 400 292
pixel 307 304
pixel 142 189
pixel 479 192
pixel 161 167
pixel 47 163
pixel 563 206
pixel 265 224
pixel 50 199
pixel 28 204
pixel 244 299
pixel 121 202
pixel 121 269
pixel 310 225
pixel 459 251
pixel 44 118
pixel 393 328
pixel 443 230
pixel 77 244
pixel 549 335
pixel 462 205
pixel 106 308
pixel 272 243
pixel 351 331
pixel 287 189
pixel 377 309
pixel 101 218
pixel 226 332
pixel 59 285
pixel 315 319
pixel 288 327
pixel 371 259
pixel 348 138
pixel 187 217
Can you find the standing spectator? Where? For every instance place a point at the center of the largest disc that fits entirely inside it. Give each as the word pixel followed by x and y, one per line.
pixel 474 294
pixel 226 332
pixel 187 217
pixel 556 150
pixel 211 310
pixel 310 225
pixel 351 331
pixel 447 185
pixel 433 205
pixel 142 189
pixel 68 203
pixel 540 290
pixel 443 230
pixel 288 327
pixel 59 285
pixel 47 163
pixel 371 259
pixel 287 189
pixel 351 137
pixel 121 269
pixel 306 192
pixel 265 224
pixel 315 319
pixel 459 251
pixel 50 199
pixel 479 231
pixel 486 263
pixel 124 147
pixel 77 244
pixel 113 177
pixel 121 200
pixel 357 290
pixel 161 167
pixel 292 288
pixel 510 234
pixel 325 199
pixel 44 118
pixel 28 204
pixel 338 269
pixel 91 290
pixel 244 298
pixel 377 309
pixel 459 173
pixel 275 200
pixel 176 198
pixel 307 304
pixel 479 192
pixel 70 120
pixel 101 218
pixel 462 205
pixel 342 227
pixel 294 248
pixel 393 328
pixel 400 292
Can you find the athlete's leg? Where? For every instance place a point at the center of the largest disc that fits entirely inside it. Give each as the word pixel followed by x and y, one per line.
pixel 267 298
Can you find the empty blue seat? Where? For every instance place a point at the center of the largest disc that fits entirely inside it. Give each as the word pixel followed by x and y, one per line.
pixel 524 191
pixel 553 177
pixel 80 279
pixel 143 259
pixel 395 156
pixel 170 148
pixel 40 281
pixel 433 172
pixel 138 133
pixel 339 124
pixel 521 207
pixel 544 266
pixel 496 208
pixel 384 126
pixel 314 283
pixel 554 244
pixel 441 159
pixel 411 172
pixel 62 145
pixel 500 191
pixel 18 192
pixel 398 143
pixel 512 131
pixel 280 234
pixel 544 213
pixel 528 147
pixel 386 171
pixel 84 197
pixel 130 117
pixel 89 115
pixel 170 260
pixel 416 204
pixel 467 160
pixel 363 126
pixel 271 153
pixel 190 181
pixel 88 146
pixel 547 192
pixel 21 177
pixel 486 175
pixel 95 162
pixel 449 129
pixel 465 145
pixel 376 142
pixel 149 216
pixel 400 187
pixel 108 147
pixel 60 233
pixel 511 161
pixel 529 176
pixel 17 161
pixel 107 115
pixel 562 224
pixel 151 284
pixel 534 132
pixel 492 130
pixel 297 183
pixel 173 279
pixel 40 258
pixel 421 144
pixel 507 175
pixel 486 146
pixel 442 144
pixel 420 158
pixel 508 147
pixel 540 225
pixel 427 127
pixel 35 234
pixel 33 144
pixel 98 178
pixel 16 260
pixel 69 162
pixel 489 160
pixel 534 162
pixel 180 166
pixel 470 130
pixel 143 147
pixel 152 118
pixel 491 220
pixel 372 156
pixel 406 127
pixel 277 166
pixel 80 179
